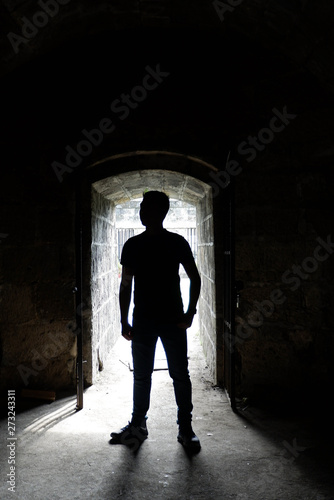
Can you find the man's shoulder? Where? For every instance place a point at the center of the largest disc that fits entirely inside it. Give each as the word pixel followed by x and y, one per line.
pixel 174 236
pixel 169 237
pixel 177 239
pixel 135 239
pixel 132 245
pixel 144 236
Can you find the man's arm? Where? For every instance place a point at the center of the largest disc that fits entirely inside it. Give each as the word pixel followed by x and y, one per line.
pixel 124 301
pixel 194 291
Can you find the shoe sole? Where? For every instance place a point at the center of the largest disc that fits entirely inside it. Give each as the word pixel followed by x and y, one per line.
pixel 189 446
pixel 127 436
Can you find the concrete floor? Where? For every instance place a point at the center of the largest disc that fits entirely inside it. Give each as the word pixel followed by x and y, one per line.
pixel 252 455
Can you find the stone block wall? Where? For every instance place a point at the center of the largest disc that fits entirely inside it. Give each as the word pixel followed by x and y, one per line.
pixel 284 257
pixel 104 282
pixel 281 196
pixel 206 267
pixel 37 276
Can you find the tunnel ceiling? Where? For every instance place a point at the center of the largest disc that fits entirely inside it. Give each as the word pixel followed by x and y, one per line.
pixel 301 30
pixel 224 76
pixel 131 185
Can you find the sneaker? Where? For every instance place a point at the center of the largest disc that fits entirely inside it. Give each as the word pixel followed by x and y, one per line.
pixel 130 435
pixel 188 439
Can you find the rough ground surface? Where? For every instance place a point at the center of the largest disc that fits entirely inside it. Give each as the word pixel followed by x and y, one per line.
pixel 62 454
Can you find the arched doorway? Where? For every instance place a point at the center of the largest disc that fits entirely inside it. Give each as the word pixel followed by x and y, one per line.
pixel 125 177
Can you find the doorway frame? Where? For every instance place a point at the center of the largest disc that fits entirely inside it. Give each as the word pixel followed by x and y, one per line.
pixel 131 162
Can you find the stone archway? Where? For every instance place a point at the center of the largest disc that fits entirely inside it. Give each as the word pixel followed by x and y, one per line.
pixel 125 182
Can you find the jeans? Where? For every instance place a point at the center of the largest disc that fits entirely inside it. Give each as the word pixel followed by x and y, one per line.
pixel 174 341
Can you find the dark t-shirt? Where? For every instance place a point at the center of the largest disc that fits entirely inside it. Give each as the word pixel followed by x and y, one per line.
pixel 154 260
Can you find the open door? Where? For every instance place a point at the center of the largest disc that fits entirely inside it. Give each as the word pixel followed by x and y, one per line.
pixel 229 293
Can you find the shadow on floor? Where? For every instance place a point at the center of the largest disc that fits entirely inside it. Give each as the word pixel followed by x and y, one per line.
pixel 258 453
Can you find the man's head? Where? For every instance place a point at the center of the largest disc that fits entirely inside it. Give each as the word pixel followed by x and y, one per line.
pixel 154 208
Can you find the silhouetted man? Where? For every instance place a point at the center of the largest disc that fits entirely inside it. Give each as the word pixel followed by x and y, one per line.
pixel 152 258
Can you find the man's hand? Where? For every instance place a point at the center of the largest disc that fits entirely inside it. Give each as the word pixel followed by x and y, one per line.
pixel 127 331
pixel 186 321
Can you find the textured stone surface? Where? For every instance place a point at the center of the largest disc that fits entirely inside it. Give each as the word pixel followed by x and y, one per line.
pixel 225 79
pixel 104 281
pixel 179 186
